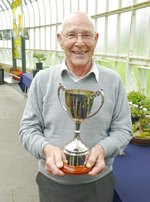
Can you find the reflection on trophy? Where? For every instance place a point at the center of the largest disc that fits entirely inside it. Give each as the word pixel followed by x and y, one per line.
pixel 78 104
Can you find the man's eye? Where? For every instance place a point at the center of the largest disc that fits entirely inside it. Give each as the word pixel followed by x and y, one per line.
pixel 70 36
pixel 88 36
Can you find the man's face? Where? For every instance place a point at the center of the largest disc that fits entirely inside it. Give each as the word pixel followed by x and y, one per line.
pixel 78 40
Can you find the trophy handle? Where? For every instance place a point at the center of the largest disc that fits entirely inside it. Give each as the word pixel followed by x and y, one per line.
pixel 98 93
pixel 61 87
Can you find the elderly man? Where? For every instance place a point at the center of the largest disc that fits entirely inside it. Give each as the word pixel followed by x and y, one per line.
pixel 46 128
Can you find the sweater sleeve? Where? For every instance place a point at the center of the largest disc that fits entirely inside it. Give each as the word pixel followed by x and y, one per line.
pixel 120 131
pixel 32 123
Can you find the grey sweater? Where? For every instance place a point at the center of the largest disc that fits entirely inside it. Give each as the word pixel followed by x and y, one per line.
pixel 45 121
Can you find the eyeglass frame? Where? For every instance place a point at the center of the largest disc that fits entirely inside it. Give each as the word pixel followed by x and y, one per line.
pixel 73 36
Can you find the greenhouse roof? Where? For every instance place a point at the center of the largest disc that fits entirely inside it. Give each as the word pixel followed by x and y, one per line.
pixel 7 4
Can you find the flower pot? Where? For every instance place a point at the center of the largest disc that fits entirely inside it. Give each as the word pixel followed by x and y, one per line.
pixel 39 65
pixel 16 74
pixel 35 71
pixel 141 138
pixel 141 141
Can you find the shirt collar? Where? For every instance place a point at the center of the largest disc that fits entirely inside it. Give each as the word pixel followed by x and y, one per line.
pixel 94 70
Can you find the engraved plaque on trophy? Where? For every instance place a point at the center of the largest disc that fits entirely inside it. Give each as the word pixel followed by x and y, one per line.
pixel 78 105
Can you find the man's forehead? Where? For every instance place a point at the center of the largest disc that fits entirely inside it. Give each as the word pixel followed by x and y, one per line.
pixel 78 25
pixel 78 20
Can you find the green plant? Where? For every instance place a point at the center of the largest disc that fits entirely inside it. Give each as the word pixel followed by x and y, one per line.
pixel 39 57
pixel 140 109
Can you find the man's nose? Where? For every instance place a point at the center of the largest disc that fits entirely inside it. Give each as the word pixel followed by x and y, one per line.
pixel 79 38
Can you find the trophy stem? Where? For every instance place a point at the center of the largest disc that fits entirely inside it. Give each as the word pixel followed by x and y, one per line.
pixel 77 130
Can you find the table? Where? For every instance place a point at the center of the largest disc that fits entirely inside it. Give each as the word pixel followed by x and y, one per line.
pixel 132 173
pixel 25 81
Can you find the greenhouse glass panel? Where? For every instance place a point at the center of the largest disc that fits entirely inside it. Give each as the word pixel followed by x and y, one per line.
pixel 67 7
pixel 5 44
pixel 31 38
pixel 112 28
pixel 11 19
pixel 141 32
pixel 41 12
pixel 48 12
pixel 28 56
pixel 3 17
pixel 60 9
pixel 1 44
pixel 101 31
pixel 9 44
pixel 4 56
pixel 28 1
pixel 7 20
pixel 37 40
pixel 91 7
pixel 113 5
pixel 6 4
pixel 59 28
pixel 82 6
pixel 27 44
pixel 74 5
pixel 26 16
pixel 48 39
pixel 3 6
pixel 127 3
pixel 54 11
pixel 42 37
pixel 125 21
pixel 53 37
pixel 31 15
pixel 101 6
pixel 9 55
pixel 35 15
pixel 140 1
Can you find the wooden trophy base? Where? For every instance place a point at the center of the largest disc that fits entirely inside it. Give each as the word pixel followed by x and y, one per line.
pixel 75 170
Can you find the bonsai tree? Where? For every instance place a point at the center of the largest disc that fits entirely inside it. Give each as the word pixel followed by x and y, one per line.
pixel 39 57
pixel 140 109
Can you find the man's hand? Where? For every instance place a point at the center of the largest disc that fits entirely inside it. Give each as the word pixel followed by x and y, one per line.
pixel 55 159
pixel 95 159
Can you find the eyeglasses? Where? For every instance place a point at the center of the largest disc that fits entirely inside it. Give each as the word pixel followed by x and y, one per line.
pixel 73 36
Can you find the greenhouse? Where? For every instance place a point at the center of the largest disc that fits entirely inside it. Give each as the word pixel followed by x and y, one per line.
pixel 32 33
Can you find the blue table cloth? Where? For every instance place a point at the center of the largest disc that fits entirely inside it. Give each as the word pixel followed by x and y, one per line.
pixel 25 81
pixel 132 173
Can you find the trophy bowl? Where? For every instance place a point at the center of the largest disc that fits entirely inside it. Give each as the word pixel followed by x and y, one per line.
pixel 78 105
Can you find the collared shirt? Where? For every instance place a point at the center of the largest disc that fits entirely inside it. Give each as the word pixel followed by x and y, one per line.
pixel 94 69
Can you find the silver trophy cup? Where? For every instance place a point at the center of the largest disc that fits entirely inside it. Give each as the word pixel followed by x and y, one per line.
pixel 78 104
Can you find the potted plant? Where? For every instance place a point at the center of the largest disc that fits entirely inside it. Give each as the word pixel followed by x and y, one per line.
pixel 40 58
pixel 16 73
pixel 140 114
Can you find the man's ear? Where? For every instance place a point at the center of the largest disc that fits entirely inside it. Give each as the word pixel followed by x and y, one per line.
pixel 59 39
pixel 97 36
